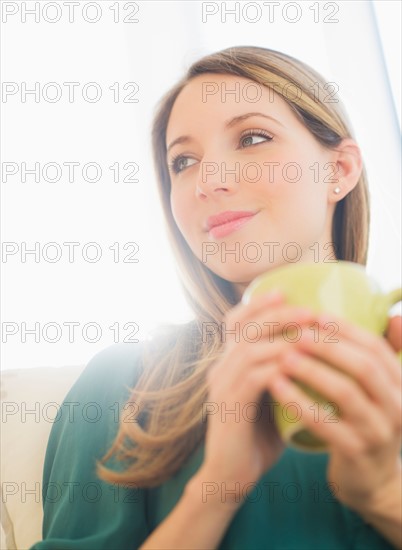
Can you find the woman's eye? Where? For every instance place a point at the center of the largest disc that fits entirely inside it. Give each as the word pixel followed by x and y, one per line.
pixel 181 162
pixel 247 139
pixel 178 164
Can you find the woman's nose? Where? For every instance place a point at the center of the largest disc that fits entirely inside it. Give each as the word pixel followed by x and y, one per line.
pixel 218 177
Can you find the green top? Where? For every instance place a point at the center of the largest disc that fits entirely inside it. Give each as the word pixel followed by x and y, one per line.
pixel 290 508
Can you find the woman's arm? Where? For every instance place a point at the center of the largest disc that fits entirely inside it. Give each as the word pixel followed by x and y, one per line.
pixel 385 512
pixel 198 521
pixel 81 511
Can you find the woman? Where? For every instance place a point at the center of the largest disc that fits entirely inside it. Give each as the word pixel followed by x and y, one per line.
pixel 249 147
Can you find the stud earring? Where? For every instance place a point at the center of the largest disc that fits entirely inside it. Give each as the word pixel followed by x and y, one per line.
pixel 337 190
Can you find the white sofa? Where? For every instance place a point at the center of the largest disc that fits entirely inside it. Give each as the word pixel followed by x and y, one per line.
pixel 24 436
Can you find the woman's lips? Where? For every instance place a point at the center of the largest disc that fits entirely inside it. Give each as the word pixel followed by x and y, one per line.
pixel 219 231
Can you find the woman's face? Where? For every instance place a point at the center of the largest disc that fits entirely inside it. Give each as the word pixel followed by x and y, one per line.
pixel 235 160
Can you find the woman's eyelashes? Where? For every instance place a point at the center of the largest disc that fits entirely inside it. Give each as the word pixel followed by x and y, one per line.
pixel 175 163
pixel 249 134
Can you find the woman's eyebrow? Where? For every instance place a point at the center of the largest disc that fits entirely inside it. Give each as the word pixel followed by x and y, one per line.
pixel 235 120
pixel 228 124
pixel 181 139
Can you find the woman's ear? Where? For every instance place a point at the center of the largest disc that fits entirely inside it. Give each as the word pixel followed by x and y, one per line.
pixel 349 164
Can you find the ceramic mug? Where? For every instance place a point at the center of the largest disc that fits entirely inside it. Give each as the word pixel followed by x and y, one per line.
pixel 342 288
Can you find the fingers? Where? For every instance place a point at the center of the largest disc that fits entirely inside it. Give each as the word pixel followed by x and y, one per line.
pixel 362 366
pixel 250 334
pixel 238 364
pixel 359 428
pixel 394 332
pixel 332 430
pixel 374 344
pixel 374 424
pixel 263 317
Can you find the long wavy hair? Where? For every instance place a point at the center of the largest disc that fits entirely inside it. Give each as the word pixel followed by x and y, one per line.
pixel 172 386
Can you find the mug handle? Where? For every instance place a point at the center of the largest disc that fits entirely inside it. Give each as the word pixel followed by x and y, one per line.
pixel 393 297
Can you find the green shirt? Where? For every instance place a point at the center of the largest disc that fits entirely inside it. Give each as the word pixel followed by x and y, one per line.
pixel 291 507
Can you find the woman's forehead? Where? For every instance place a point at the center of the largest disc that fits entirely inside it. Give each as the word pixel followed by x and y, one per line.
pixel 215 98
pixel 223 88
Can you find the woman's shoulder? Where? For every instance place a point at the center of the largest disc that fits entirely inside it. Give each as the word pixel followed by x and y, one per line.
pixel 123 363
pixel 115 363
pixel 111 374
pixel 108 374
pixel 89 413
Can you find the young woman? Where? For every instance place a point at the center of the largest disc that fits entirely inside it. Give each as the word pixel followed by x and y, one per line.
pixel 250 147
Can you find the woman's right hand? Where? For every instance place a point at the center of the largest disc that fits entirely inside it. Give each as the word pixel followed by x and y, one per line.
pixel 237 450
pixel 242 441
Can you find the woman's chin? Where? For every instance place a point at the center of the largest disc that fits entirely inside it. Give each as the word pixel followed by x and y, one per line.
pixel 243 273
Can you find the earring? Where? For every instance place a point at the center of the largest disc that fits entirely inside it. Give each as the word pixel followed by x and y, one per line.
pixel 337 190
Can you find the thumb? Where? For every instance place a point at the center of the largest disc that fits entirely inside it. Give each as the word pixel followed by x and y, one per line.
pixel 394 332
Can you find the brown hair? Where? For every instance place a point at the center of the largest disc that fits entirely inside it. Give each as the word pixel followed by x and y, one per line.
pixel 172 386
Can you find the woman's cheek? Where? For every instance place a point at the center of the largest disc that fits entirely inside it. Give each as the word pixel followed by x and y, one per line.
pixel 278 180
pixel 177 205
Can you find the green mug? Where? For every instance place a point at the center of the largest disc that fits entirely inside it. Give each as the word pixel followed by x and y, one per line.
pixel 342 288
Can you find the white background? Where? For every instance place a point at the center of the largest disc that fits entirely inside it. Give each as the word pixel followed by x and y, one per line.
pixel 360 52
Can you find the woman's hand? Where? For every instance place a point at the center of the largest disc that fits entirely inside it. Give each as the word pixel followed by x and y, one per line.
pixel 366 386
pixel 242 442
pixel 394 333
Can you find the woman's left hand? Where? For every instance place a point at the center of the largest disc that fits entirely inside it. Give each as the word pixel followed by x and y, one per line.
pixel 364 443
